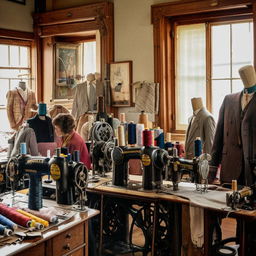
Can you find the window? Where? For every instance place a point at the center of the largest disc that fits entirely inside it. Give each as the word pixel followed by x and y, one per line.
pixel 230 47
pixel 15 65
pixel 89 57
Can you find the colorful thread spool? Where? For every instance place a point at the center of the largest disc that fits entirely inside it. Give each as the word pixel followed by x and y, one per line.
pixel 139 134
pixel 121 135
pixel 143 119
pixel 5 231
pixel 147 138
pixel 42 110
pixel 15 216
pixel 23 148
pixel 168 145
pixel 160 140
pixel 48 217
pixel 198 147
pixel 8 223
pixel 122 117
pixel 33 217
pixel 131 133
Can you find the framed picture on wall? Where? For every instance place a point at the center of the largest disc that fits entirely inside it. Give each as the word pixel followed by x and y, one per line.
pixel 67 68
pixel 18 1
pixel 121 83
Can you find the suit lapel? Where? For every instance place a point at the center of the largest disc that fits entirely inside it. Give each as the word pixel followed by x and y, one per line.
pixel 194 127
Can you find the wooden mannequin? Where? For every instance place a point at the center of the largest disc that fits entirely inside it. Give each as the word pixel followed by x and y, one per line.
pixel 248 76
pixel 22 85
pixel 197 103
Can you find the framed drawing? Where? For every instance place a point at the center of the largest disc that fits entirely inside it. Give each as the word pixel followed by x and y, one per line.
pixel 120 82
pixel 18 1
pixel 67 68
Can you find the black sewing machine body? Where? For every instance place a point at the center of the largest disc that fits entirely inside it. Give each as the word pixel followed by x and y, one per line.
pixel 121 156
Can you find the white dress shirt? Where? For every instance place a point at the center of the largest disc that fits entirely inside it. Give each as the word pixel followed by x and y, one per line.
pixel 246 97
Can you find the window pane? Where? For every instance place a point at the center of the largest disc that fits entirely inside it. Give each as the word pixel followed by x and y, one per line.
pixel 4 85
pixel 89 58
pixel 13 73
pixel 220 88
pixel 4 55
pixel 24 57
pixel 237 86
pixel 190 70
pixel 242 46
pixel 221 50
pixel 14 56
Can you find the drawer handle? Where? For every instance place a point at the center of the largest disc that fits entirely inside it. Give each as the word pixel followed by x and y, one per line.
pixel 67 247
pixel 68 235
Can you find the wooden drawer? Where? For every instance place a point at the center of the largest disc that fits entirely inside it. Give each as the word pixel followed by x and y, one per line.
pixel 68 240
pixel 38 250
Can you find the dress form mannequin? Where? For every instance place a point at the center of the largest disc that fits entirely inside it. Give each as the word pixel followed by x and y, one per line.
pixel 85 130
pixel 42 125
pixel 91 92
pixel 234 143
pixel 202 125
pixel 21 102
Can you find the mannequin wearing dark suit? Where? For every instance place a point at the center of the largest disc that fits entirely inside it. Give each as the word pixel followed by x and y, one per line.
pixel 235 138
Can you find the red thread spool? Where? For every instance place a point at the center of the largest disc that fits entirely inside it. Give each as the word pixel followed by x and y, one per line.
pixel 147 138
pixel 15 216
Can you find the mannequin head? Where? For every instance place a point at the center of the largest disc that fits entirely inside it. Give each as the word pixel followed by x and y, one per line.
pixel 197 103
pixel 97 76
pixel 22 85
pixel 248 76
pixel 42 109
pixel 90 77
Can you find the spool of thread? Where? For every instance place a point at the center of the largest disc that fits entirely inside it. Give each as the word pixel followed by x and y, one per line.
pixel 76 156
pixel 15 216
pixel 35 197
pixel 143 119
pixel 160 140
pixel 69 157
pixel 48 217
pixel 153 137
pixel 178 147
pixel 147 138
pixel 122 117
pixel 33 217
pixel 48 154
pixel 131 133
pixel 198 146
pixel 174 152
pixel 23 148
pixel 168 137
pixel 139 134
pixel 5 231
pixel 234 185
pixel 121 135
pixel 8 223
pixel 58 152
pixel 42 110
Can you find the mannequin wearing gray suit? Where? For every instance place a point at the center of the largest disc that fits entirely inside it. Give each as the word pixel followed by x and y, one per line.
pixel 201 125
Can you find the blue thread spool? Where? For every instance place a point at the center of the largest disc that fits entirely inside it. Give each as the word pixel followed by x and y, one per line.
pixel 5 231
pixel 198 147
pixel 35 198
pixel 160 140
pixel 42 109
pixel 76 156
pixel 8 223
pixel 23 148
pixel 131 133
pixel 69 158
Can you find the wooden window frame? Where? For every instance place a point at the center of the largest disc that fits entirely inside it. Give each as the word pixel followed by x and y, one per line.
pixel 163 17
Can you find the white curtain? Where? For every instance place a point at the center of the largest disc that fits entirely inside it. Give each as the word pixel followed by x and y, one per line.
pixel 190 70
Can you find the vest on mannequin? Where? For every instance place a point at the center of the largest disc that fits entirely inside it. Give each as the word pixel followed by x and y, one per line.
pixel 91 92
pixel 234 144
pixel 202 125
pixel 248 77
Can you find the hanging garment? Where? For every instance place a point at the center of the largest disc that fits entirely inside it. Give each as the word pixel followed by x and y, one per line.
pixel 201 125
pixel 235 140
pixel 19 110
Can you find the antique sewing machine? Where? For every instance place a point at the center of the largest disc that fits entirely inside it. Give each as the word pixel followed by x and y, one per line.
pixel 120 157
pixel 70 176
pixel 195 170
pixel 102 138
pixel 154 161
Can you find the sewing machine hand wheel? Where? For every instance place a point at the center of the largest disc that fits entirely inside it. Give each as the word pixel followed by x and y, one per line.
pixel 12 171
pixel 101 131
pixel 81 177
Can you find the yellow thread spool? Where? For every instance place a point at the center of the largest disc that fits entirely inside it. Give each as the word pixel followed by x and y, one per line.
pixel 33 217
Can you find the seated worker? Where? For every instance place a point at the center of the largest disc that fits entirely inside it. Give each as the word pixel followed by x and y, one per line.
pixel 64 125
